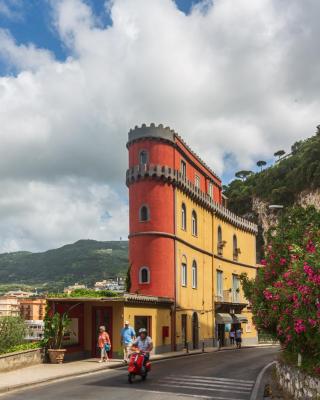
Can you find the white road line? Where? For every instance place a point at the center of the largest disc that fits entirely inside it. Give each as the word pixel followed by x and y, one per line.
pixel 204 388
pixel 208 381
pixel 205 385
pixel 219 379
pixel 195 396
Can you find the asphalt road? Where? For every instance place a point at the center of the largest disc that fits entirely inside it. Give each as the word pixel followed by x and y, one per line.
pixel 218 376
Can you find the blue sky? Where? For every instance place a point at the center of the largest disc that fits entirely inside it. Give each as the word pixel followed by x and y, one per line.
pixel 237 79
pixel 31 22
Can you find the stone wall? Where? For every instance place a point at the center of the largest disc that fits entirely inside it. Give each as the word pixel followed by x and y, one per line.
pixel 297 383
pixel 20 359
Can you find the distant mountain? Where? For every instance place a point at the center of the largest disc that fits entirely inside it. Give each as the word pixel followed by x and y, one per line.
pixel 85 261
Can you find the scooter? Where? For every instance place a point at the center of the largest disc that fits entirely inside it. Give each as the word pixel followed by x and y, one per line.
pixel 136 367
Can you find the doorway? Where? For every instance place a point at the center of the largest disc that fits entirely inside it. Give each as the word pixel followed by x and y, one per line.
pixel 101 316
pixel 221 334
pixel 195 330
pixel 184 332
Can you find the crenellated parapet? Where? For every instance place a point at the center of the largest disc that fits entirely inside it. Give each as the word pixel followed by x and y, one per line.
pixel 174 177
pixel 166 134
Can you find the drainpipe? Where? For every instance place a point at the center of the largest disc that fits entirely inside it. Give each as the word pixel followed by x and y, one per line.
pixel 174 313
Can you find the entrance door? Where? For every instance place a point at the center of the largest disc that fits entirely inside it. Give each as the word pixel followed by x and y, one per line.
pixel 195 330
pixel 184 332
pixel 101 316
pixel 221 334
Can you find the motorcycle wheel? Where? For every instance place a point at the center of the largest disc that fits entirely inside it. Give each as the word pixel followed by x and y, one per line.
pixel 131 377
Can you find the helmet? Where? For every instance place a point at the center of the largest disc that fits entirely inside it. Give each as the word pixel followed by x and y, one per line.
pixel 143 330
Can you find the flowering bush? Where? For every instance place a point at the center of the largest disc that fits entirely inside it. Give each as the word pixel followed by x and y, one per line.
pixel 285 295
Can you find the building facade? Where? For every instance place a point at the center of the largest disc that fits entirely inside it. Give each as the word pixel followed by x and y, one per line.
pixel 9 306
pixel 32 309
pixel 183 243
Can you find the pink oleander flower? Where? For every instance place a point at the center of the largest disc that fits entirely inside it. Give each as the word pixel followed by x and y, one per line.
pixel 311 248
pixel 263 262
pixel 312 322
pixel 283 261
pixel 299 326
pixel 267 294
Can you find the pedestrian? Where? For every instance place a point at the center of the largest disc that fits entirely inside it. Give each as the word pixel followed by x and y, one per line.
pixel 238 337
pixel 104 344
pixel 128 335
pixel 232 336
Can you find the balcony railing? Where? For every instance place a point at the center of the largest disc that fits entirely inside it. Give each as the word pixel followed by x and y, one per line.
pixel 231 297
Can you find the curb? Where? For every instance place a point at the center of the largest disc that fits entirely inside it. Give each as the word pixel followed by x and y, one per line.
pixel 255 391
pixel 115 366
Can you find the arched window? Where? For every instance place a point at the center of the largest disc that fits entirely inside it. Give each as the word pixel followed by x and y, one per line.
pixel 144 275
pixel 194 223
pixel 144 213
pixel 184 272
pixel 235 248
pixel 143 157
pixel 183 217
pixel 194 275
pixel 220 243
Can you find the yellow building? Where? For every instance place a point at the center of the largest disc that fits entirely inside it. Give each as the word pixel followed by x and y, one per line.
pixel 184 243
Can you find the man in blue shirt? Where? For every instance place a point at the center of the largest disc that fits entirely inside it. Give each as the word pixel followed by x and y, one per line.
pixel 128 335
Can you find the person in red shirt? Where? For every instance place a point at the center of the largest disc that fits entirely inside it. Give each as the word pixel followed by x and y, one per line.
pixel 104 343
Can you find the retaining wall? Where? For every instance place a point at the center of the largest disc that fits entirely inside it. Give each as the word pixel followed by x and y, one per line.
pixel 297 383
pixel 20 359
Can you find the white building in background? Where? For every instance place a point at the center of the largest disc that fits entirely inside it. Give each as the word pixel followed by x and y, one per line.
pixel 9 306
pixel 115 284
pixel 72 288
pixel 20 293
pixel 35 329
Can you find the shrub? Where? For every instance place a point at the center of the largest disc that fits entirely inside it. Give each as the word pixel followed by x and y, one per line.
pixel 285 295
pixel 12 332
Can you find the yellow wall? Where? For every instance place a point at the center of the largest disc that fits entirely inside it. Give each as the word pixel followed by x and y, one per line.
pixel 201 299
pixel 160 317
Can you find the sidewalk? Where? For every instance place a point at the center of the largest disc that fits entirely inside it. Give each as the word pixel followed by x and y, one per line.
pixel 45 373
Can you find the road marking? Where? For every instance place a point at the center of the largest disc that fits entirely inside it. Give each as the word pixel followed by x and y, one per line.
pixel 205 385
pixel 255 390
pixel 195 396
pixel 206 389
pixel 210 380
pixel 218 379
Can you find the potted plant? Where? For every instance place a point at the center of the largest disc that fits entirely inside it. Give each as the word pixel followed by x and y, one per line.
pixel 55 328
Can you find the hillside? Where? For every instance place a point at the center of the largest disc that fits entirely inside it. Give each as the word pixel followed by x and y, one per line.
pixel 85 261
pixel 282 183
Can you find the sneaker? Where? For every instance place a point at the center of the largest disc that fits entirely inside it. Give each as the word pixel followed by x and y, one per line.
pixel 100 361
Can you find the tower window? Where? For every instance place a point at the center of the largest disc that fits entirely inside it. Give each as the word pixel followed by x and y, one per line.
pixel 194 223
pixel 143 157
pixel 197 181
pixel 194 275
pixel 183 217
pixel 144 213
pixel 144 275
pixel 210 190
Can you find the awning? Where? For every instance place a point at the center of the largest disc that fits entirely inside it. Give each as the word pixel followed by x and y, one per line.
pixel 223 319
pixel 240 318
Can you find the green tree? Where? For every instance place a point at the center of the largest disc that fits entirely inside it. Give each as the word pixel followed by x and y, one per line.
pixel 279 154
pixel 261 164
pixel 243 174
pixel 12 332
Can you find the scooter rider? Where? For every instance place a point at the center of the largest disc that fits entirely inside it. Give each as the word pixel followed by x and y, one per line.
pixel 144 344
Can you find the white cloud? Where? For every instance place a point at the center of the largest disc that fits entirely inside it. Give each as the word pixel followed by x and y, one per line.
pixel 239 77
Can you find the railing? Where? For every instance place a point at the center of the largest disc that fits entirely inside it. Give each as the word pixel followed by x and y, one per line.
pixel 230 297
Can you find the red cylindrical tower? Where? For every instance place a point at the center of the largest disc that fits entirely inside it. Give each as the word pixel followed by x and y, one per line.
pixel 151 211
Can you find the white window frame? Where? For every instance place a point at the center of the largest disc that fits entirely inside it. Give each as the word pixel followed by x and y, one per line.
pixel 183 168
pixel 184 274
pixel 219 283
pixel 194 275
pixel 210 190
pixel 194 223
pixel 183 217
pixel 148 213
pixel 197 181
pixel 235 286
pixel 140 275
pixel 147 156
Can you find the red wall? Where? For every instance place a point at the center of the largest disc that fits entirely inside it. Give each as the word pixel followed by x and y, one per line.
pixel 157 253
pixel 159 152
